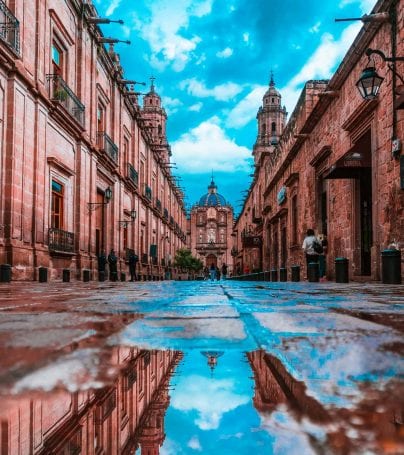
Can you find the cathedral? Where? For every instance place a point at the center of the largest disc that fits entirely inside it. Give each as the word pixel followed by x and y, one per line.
pixel 210 228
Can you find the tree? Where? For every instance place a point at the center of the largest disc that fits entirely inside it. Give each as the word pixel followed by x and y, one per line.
pixel 184 260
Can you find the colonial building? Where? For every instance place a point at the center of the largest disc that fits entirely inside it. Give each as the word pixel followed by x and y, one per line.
pixel 336 165
pixel 210 229
pixel 83 167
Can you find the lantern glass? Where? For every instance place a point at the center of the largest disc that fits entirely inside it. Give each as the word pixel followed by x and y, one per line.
pixel 108 194
pixel 133 214
pixel 369 83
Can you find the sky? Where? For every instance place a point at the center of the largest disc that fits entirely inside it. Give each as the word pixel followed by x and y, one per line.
pixel 212 61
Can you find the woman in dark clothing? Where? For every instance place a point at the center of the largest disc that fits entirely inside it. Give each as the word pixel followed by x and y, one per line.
pixel 113 264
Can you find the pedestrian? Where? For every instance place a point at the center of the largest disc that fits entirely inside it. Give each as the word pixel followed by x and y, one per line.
pixel 238 272
pixel 133 260
pixel 217 273
pixel 113 264
pixel 321 256
pixel 224 270
pixel 206 273
pixel 212 272
pixel 102 262
pixel 311 247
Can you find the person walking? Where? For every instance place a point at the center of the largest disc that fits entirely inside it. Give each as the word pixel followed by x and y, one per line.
pixel 102 262
pixel 217 273
pixel 113 266
pixel 311 247
pixel 212 271
pixel 133 260
pixel 224 270
pixel 206 273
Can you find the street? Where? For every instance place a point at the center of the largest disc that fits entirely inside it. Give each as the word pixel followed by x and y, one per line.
pixel 290 368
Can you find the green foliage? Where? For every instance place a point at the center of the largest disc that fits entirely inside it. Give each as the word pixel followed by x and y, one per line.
pixel 184 260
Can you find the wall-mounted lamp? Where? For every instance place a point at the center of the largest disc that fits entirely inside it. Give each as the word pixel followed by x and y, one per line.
pixel 104 40
pixel 107 197
pixel 129 82
pixel 103 20
pixel 125 223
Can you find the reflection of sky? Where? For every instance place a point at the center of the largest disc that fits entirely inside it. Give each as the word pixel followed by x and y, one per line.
pixel 213 414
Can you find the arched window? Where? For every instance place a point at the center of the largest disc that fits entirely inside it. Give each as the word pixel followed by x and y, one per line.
pixel 273 127
pixel 263 129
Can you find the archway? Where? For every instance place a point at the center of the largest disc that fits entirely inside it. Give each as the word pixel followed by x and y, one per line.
pixel 211 259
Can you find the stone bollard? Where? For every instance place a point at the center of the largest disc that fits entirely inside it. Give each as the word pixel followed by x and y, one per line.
pixel 66 275
pixel 341 270
pixel 391 266
pixel 313 272
pixel 123 276
pixel 274 275
pixel 5 273
pixel 86 275
pixel 42 274
pixel 283 274
pixel 295 273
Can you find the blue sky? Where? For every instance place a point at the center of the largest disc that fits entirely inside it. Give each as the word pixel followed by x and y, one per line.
pixel 212 60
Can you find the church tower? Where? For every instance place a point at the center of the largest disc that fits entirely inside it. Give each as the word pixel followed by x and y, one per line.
pixel 271 118
pixel 155 118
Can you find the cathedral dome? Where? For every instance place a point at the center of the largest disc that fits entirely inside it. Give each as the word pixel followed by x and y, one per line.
pixel 212 198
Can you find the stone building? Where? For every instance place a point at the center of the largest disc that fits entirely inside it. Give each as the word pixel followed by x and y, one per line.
pixel 336 165
pixel 210 229
pixel 119 419
pixel 83 167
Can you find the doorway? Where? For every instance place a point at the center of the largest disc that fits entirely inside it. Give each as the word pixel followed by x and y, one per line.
pixel 365 221
pixel 211 259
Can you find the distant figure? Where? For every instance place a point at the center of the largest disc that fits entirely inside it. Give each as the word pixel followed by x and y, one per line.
pixel 133 260
pixel 217 273
pixel 212 271
pixel 113 264
pixel 311 247
pixel 246 270
pixel 224 270
pixel 238 270
pixel 206 273
pixel 102 261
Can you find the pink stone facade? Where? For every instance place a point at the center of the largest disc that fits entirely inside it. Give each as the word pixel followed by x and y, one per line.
pixel 332 168
pixel 70 129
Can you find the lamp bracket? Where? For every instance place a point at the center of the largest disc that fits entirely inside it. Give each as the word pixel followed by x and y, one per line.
pixel 381 54
pixel 94 205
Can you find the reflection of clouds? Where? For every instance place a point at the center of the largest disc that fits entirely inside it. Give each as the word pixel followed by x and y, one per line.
pixel 192 395
pixel 195 444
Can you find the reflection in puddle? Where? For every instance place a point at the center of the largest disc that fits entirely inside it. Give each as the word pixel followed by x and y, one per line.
pixel 210 402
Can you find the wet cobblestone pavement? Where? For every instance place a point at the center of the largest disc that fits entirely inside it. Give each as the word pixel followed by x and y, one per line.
pixel 201 367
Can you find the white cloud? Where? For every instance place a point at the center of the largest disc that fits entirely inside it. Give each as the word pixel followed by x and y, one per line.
pixel 171 105
pixel 222 399
pixel 195 444
pixel 315 28
pixel 222 92
pixel 196 107
pixel 164 31
pixel 365 6
pixel 246 109
pixel 208 147
pixel 246 37
pixel 112 7
pixel 225 53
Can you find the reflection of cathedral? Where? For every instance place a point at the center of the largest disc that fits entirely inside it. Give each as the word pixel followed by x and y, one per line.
pixel 114 420
pixel 211 226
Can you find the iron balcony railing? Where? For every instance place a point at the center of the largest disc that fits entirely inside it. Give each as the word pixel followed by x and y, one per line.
pixel 61 92
pixel 165 214
pixel 158 205
pixel 148 192
pixel 133 175
pixel 9 28
pixel 106 144
pixel 208 245
pixel 60 240
pixel 171 220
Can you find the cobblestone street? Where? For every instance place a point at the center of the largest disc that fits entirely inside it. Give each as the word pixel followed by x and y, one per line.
pixel 319 363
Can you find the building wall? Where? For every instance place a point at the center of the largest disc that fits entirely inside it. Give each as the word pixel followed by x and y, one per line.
pixel 316 164
pixel 42 141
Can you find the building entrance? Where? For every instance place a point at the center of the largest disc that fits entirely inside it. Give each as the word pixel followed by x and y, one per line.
pixel 211 259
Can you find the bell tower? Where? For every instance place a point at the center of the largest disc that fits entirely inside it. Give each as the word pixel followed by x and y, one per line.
pixel 155 118
pixel 271 118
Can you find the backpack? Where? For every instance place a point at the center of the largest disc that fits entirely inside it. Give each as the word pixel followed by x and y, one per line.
pixel 317 247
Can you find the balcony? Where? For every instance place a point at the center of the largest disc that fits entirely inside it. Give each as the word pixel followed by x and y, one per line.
pixel 172 221
pixel 148 193
pixel 211 245
pixel 133 175
pixel 249 240
pixel 165 215
pixel 158 205
pixel 60 241
pixel 107 145
pixel 9 28
pixel 60 92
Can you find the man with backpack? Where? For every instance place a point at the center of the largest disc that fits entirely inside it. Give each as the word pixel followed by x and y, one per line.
pixel 312 247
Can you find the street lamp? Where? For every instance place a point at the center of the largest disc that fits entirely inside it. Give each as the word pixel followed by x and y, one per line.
pixel 125 223
pixel 107 197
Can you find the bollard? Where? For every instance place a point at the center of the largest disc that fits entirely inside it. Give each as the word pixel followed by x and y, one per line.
pixel 274 275
pixel 42 274
pixel 313 272
pixel 86 275
pixel 66 275
pixel 341 270
pixel 123 276
pixel 101 275
pixel 5 273
pixel 283 274
pixel 295 272
pixel 391 267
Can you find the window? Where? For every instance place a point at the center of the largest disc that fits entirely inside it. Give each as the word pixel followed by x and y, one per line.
pixel 100 118
pixel 57 59
pixel 273 127
pixel 57 205
pixel 294 219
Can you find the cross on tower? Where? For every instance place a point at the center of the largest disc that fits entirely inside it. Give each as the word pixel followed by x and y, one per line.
pixel 152 79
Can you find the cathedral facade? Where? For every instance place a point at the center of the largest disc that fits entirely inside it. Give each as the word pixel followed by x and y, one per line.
pixel 210 229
